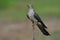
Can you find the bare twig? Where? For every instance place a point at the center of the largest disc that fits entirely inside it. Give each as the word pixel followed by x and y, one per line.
pixel 33 32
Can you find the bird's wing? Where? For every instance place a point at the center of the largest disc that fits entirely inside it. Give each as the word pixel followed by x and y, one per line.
pixel 39 20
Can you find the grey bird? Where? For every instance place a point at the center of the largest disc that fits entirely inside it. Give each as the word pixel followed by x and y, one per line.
pixel 35 19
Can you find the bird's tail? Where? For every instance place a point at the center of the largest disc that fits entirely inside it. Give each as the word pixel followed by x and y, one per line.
pixel 43 30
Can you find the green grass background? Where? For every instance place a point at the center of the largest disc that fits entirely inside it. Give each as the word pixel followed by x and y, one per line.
pixel 45 8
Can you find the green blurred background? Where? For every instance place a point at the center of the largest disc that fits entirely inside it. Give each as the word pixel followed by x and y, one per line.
pixel 16 10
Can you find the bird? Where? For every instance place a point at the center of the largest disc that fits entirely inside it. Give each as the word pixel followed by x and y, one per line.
pixel 36 20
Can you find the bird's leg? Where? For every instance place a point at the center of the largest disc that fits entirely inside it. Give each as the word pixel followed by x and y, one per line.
pixel 33 31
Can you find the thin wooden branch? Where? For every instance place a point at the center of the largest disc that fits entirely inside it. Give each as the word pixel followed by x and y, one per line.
pixel 34 38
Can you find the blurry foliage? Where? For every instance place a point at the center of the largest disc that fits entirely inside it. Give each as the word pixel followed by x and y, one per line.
pixel 19 10
pixel 7 3
pixel 4 3
pixel 42 3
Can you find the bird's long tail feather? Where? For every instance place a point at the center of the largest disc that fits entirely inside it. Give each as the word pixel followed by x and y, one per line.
pixel 43 30
pixel 43 25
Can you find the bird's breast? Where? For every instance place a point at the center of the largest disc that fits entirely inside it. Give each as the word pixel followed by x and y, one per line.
pixel 30 13
pixel 32 17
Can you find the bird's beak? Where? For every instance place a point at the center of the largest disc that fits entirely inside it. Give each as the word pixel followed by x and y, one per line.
pixel 28 6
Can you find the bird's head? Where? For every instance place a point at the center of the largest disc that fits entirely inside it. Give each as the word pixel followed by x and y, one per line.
pixel 29 6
